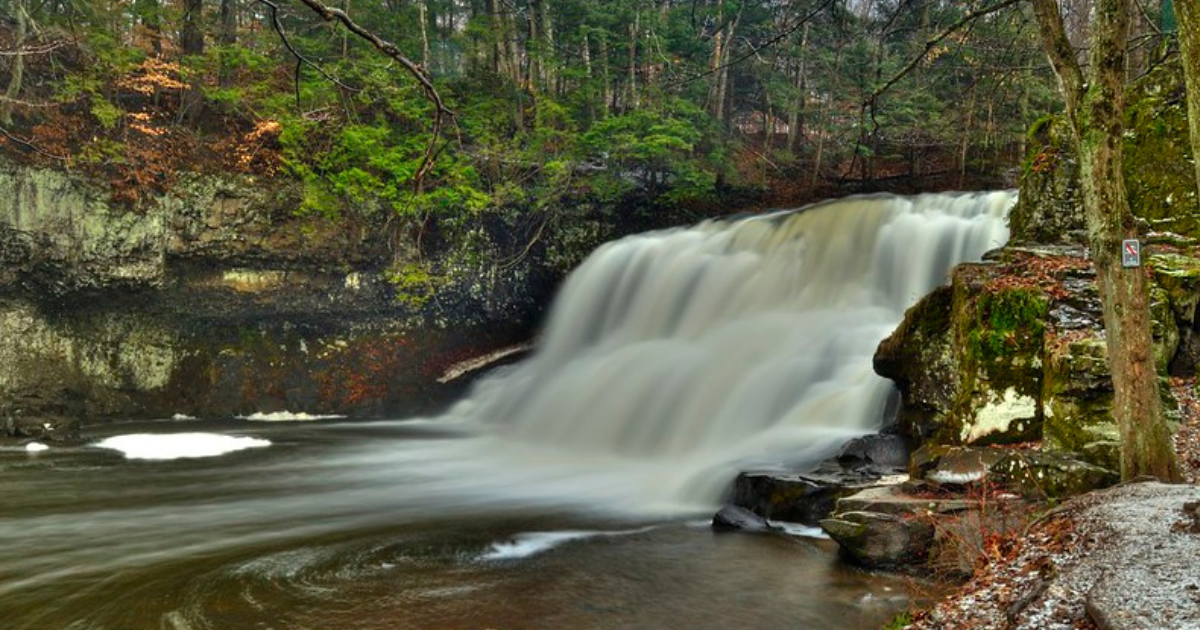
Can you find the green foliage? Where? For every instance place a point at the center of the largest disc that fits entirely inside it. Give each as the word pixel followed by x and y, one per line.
pixel 900 621
pixel 414 283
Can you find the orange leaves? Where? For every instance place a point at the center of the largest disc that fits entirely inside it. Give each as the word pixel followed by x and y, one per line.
pixel 151 77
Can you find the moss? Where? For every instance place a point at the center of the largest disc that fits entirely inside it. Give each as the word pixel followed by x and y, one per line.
pixel 1159 176
pixel 1007 321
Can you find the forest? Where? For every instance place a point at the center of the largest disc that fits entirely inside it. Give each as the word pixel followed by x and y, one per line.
pixel 525 104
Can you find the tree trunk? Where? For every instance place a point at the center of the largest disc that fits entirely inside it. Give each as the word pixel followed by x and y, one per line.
pixel 1096 110
pixel 423 17
pixel 18 64
pixel 191 36
pixel 1187 13
pixel 228 38
pixel 795 122
pixel 634 29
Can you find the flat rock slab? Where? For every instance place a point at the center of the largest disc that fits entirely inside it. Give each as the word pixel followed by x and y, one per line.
pixel 895 501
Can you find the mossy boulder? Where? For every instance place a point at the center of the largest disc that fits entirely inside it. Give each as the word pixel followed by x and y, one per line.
pixel 1051 475
pixel 1048 210
pixel 1014 350
pixel 1159 177
pixel 967 359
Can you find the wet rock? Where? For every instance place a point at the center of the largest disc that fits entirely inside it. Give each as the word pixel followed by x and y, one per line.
pixel 880 541
pixel 884 454
pixel 953 465
pixel 217 300
pixel 1050 475
pixel 799 498
pixel 902 501
pixel 733 518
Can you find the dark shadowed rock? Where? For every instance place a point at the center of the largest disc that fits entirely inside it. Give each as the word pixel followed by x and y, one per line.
pixel 799 498
pixel 883 454
pixel 732 518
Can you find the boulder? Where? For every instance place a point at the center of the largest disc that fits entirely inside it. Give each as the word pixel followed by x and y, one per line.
pixel 880 453
pixel 800 498
pixel 1050 475
pixel 881 541
pixel 953 465
pixel 733 518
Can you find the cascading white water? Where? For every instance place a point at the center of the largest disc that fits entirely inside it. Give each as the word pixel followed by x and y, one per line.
pixel 670 360
pixel 736 340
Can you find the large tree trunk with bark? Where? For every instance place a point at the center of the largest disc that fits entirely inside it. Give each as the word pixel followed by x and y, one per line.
pixel 1187 14
pixel 1096 110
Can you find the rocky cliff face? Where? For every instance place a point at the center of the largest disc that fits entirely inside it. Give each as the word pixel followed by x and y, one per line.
pixel 1013 350
pixel 216 301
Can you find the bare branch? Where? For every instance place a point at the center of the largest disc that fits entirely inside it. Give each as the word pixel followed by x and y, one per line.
pixel 754 51
pixel 27 143
pixel 933 42
pixel 301 60
pixel 441 112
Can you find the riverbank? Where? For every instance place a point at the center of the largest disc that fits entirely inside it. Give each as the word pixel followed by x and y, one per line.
pixel 1122 558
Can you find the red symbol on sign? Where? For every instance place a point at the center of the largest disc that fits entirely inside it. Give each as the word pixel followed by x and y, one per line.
pixel 1130 248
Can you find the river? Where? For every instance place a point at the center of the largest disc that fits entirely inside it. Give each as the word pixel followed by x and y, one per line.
pixel 571 490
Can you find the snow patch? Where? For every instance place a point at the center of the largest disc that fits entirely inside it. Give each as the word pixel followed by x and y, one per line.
pixel 958 478
pixel 164 446
pixel 996 417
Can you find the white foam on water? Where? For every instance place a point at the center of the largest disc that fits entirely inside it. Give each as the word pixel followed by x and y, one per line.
pixel 532 543
pixel 165 446
pixel 800 529
pixel 287 416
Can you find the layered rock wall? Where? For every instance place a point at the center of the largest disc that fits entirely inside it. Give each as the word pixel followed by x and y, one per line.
pixel 216 300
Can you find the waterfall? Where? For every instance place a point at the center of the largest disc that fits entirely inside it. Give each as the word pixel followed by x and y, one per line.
pixel 735 340
pixel 670 360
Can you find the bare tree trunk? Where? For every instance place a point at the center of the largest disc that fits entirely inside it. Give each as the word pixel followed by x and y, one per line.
pixel 634 30
pixel 423 17
pixel 1187 14
pixel 609 96
pixel 723 70
pixel 1096 110
pixel 795 122
pixel 18 63
pixel 965 142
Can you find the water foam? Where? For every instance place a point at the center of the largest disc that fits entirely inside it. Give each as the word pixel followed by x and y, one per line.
pixel 166 446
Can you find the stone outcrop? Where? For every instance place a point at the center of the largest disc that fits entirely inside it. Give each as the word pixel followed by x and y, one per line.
pixel 1013 350
pixel 1159 178
pixel 218 300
